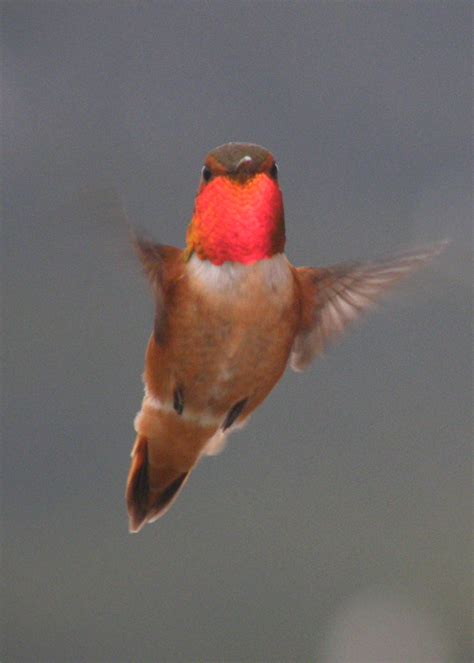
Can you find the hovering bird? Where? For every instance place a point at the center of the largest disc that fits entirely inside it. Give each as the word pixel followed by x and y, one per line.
pixel 231 313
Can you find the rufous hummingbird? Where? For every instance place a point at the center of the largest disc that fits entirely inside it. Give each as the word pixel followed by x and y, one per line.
pixel 231 313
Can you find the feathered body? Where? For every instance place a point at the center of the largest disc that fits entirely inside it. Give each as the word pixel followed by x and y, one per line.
pixel 230 311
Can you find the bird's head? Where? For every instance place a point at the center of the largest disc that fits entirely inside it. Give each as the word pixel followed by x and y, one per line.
pixel 238 212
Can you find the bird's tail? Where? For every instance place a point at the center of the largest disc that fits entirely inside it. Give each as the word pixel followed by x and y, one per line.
pixel 150 490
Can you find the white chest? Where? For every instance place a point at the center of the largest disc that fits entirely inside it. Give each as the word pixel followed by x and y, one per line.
pixel 273 276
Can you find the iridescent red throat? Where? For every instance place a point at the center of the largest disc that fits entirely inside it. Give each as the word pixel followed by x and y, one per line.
pixel 237 221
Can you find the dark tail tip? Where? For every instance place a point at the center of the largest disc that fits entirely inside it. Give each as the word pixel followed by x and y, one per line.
pixel 138 486
pixel 146 504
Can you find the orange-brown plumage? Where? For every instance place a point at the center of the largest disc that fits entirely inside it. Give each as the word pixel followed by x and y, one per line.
pixel 230 312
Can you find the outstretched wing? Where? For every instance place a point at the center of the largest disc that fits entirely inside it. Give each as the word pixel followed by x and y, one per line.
pixel 335 296
pixel 160 264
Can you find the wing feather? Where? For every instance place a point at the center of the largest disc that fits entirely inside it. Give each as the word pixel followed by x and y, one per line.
pixel 335 296
pixel 160 264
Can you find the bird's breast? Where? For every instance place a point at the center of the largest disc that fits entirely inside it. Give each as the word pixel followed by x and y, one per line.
pixel 270 277
pixel 230 330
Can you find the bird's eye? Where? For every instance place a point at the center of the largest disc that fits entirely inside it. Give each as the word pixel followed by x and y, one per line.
pixel 273 172
pixel 206 173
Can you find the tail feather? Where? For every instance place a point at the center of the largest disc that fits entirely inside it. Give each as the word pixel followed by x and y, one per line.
pixel 150 490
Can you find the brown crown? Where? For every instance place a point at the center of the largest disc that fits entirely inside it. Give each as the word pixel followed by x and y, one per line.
pixel 230 159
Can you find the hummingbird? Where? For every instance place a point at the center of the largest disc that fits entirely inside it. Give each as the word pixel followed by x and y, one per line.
pixel 231 312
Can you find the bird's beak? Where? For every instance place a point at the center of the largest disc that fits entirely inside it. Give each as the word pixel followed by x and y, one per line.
pixel 243 163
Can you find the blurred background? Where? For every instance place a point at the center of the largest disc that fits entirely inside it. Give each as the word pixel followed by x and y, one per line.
pixel 335 527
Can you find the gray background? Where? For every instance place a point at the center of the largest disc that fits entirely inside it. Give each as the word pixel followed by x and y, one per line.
pixel 335 526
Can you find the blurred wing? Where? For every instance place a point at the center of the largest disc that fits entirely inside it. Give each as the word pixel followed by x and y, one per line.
pixel 160 264
pixel 335 296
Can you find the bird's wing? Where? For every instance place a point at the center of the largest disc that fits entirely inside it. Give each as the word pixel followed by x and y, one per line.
pixel 161 264
pixel 335 296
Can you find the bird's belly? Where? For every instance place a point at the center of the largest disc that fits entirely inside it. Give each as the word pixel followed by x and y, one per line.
pixel 227 345
pixel 220 363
